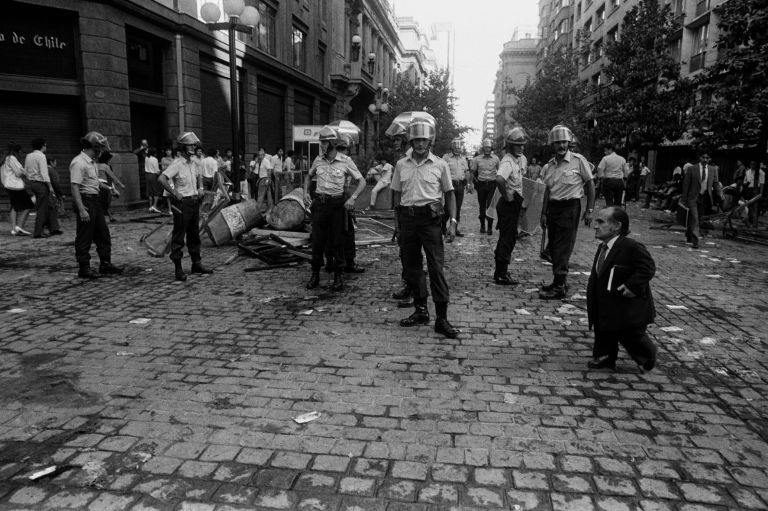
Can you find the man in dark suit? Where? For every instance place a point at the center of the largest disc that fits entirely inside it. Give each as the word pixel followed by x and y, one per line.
pixel 619 300
pixel 701 190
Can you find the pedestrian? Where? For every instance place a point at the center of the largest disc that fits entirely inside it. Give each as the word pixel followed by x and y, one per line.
pixel 91 224
pixel 12 175
pixel 210 167
pixel 612 170
pixel 381 174
pixel 645 174
pixel 277 173
pixel 420 183
pixel 534 170
pixel 330 205
pixel 289 169
pixel 151 174
pixel 509 182
pixel 460 176
pixel 141 154
pixel 38 183
pixel 701 191
pixel 619 300
pixel 739 174
pixel 484 168
pixel 633 180
pixel 567 179
pixel 187 190
pixel 753 186
pixel 108 178
pixel 264 195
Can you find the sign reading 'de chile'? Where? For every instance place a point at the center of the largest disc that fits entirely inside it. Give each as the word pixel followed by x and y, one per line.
pixel 37 42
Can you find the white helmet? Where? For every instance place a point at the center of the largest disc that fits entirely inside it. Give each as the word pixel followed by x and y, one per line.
pixel 421 129
pixel 188 138
pixel 96 140
pixel 487 142
pixel 559 133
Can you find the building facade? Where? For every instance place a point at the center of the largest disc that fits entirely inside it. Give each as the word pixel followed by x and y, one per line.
pixel 138 69
pixel 489 120
pixel 517 67
pixel 418 59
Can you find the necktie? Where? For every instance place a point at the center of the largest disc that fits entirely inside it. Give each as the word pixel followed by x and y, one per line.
pixel 703 179
pixel 601 257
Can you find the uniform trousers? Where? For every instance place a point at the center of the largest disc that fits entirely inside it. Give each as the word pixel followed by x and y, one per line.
pixel 635 340
pixel 328 219
pixel 508 214
pixel 485 191
pixel 95 230
pixel 701 206
pixel 613 188
pixel 44 215
pixel 186 223
pixel 562 228
pixel 421 228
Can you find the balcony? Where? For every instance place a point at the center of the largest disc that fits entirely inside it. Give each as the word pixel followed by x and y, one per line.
pixel 701 7
pixel 697 61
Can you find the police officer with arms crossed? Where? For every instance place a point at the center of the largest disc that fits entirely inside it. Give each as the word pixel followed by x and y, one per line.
pixel 91 224
pixel 419 183
pixel 567 177
pixel 509 182
pixel 460 176
pixel 329 208
pixel 485 166
pixel 186 192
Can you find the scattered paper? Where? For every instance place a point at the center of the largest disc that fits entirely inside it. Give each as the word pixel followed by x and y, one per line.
pixel 519 260
pixel 535 289
pixel 42 473
pixel 714 276
pixel 16 311
pixel 546 263
pixel 306 417
pixel 710 243
pixel 306 312
pixel 671 329
pixel 140 321
pixel 671 246
pixel 523 312
pixel 124 354
pixel 721 372
pixel 510 399
pixel 382 309
pixel 570 309
pixel 577 296
pixel 708 341
pixel 734 261
pixel 583 321
pixel 553 318
pixel 714 259
pixel 148 270
pixel 585 273
pixel 677 307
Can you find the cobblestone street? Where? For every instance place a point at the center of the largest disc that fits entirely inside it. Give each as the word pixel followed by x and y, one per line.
pixel 154 394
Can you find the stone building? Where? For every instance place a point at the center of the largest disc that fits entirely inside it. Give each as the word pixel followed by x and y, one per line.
pixel 151 68
pixel 517 67
pixel 418 58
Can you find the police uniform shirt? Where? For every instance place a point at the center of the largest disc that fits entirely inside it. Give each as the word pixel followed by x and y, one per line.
pixel 332 175
pixel 612 166
pixel 84 174
pixel 183 175
pixel 421 183
pixel 486 167
pixel 511 169
pixel 565 180
pixel 457 165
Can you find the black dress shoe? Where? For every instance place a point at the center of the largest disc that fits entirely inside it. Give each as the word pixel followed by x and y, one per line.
pixel 554 293
pixel 56 233
pixel 180 275
pixel 419 317
pixel 405 304
pixel 314 280
pixel 402 294
pixel 43 235
pixel 695 245
pixel 199 268
pixel 87 273
pixel 354 269
pixel 109 269
pixel 459 234
pixel 505 279
pixel 649 364
pixel 605 362
pixel 442 326
pixel 482 230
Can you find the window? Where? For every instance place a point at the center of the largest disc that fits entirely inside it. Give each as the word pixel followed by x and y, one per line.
pixel 613 35
pixel 145 61
pixel 600 15
pixel 598 49
pixel 701 7
pixel 588 26
pixel 299 43
pixel 264 34
pixel 676 49
pixel 699 49
pixel 321 51
pixel 677 7
pixel 616 4
pixel 578 11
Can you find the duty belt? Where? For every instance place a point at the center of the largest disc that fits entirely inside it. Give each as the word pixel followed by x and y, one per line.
pixel 321 197
pixel 415 210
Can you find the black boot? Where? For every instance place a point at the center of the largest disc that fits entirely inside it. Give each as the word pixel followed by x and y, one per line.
pixel 86 272
pixel 402 294
pixel 501 277
pixel 490 226
pixel 482 226
pixel 107 268
pixel 555 291
pixel 420 316
pixel 314 280
pixel 179 271
pixel 338 281
pixel 197 267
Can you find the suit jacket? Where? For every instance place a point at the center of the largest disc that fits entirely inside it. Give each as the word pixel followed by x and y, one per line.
pixel 632 266
pixel 692 184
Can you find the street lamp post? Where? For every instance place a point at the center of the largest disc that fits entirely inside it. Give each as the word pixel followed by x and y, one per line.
pixel 240 19
pixel 376 108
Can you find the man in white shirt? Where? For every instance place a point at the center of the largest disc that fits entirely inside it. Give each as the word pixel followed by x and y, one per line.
pixel 612 171
pixel 265 166
pixel 39 183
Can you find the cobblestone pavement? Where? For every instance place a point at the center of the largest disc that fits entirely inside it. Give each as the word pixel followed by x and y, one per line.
pixel 192 407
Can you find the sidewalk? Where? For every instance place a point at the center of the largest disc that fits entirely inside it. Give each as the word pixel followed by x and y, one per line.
pixel 157 394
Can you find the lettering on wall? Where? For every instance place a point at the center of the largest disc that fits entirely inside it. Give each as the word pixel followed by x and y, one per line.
pixel 38 42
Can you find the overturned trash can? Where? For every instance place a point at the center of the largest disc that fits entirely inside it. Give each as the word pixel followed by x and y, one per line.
pixel 232 221
pixel 289 213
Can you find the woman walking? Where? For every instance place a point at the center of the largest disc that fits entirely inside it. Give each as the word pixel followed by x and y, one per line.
pixel 11 173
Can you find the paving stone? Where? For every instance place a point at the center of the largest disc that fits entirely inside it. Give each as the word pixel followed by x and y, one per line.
pixel 371 468
pixel 330 463
pixel 291 460
pixel 576 464
pixel 658 488
pixel 659 469
pixel 476 457
pixel 398 490
pixel 196 506
pixel 525 500
pixel 750 476
pixel 357 486
pixel 571 502
pixel 614 466
pixel 615 485
pixel 530 480
pixel 707 494
pixel 233 473
pixel 509 459
pixel 361 504
pixel 409 470
pixel 254 456
pixel 570 483
pixel 162 465
pixel 117 443
pixel 70 499
pixel 613 504
pixel 484 497
pixel 275 499
pixel 220 453
pixel 197 469
pixel 235 494
pixel 655 505
pixel 314 482
pixel 186 450
pixel 539 461
pixel 28 496
pixel 450 473
pixel 318 503
pixel 491 477
pixel 439 493
pixel 275 478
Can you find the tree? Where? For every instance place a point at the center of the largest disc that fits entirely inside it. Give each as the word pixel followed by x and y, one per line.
pixel 733 92
pixel 436 97
pixel 555 97
pixel 645 101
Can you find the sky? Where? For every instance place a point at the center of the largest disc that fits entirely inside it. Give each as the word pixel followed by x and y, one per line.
pixel 481 27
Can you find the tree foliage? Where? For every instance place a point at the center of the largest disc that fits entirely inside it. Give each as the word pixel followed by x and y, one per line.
pixel 646 100
pixel 436 96
pixel 555 97
pixel 733 92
